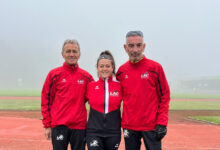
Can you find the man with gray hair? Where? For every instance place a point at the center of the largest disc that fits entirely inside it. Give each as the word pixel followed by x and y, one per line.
pixel 146 96
pixel 63 101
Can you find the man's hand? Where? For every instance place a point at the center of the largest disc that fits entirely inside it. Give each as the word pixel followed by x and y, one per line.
pixel 48 133
pixel 160 131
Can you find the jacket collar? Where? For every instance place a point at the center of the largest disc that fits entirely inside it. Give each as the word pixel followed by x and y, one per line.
pixel 108 79
pixel 139 62
pixel 70 68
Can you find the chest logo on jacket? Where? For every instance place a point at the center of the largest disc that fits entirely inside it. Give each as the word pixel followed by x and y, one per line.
pixel 96 87
pixel 114 94
pixel 145 75
pixel 81 81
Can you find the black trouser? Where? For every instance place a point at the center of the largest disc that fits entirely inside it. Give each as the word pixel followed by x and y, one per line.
pixel 133 140
pixel 62 136
pixel 103 143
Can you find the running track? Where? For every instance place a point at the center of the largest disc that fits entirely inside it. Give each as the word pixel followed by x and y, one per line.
pixel 26 134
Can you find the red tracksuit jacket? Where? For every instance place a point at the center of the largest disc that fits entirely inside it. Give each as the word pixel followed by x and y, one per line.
pixel 63 97
pixel 105 98
pixel 146 95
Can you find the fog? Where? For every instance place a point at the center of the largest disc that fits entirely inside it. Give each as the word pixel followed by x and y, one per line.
pixel 183 36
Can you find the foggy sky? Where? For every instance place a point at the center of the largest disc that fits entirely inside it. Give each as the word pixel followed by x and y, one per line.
pixel 183 36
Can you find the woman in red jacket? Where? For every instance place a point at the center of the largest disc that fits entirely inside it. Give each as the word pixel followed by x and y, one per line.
pixel 104 96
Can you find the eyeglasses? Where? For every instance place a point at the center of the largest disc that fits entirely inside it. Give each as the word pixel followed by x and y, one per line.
pixel 134 33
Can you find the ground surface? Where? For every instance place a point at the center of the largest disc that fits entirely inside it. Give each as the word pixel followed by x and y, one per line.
pixel 22 130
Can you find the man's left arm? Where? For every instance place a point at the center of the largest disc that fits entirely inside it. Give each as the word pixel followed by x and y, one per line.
pixel 163 107
pixel 164 98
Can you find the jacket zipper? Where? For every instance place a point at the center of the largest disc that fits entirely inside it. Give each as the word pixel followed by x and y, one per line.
pixel 106 97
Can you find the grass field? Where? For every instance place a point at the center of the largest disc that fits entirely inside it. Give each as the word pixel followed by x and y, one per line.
pixel 195 105
pixel 37 92
pixel 211 119
pixel 174 105
pixel 32 104
pixel 194 96
pixel 19 104
pixel 22 104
